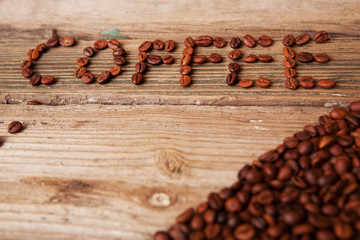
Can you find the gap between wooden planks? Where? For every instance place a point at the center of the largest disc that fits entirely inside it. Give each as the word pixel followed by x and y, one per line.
pixel 123 172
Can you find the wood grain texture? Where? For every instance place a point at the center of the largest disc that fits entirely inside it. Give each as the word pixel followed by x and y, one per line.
pixel 123 172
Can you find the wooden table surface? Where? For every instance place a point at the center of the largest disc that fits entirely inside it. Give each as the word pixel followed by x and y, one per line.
pixel 119 161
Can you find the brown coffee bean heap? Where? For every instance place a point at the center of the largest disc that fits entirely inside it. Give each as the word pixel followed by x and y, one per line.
pixel 143 57
pixel 306 188
pixel 104 77
pixel 34 54
pixel 305 57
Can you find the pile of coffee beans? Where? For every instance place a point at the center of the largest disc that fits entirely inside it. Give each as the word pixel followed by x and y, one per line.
pixel 34 54
pixel 104 77
pixel 140 68
pixel 306 188
pixel 305 57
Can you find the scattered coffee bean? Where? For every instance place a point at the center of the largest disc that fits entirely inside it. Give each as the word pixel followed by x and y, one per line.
pixel 288 52
pixel 231 78
pixel 185 80
pixel 118 52
pixel 325 83
pixel 234 67
pixel 120 60
pixel 88 51
pixel 188 50
pixel 137 78
pixel 204 41
pixel 290 73
pixel 169 46
pixel 291 83
pixel 289 40
pixel 26 64
pixel 264 41
pixel 219 42
pixel 215 58
pixel 114 71
pixel 14 127
pixel 234 54
pixel 265 58
pixel 321 58
pixel 235 42
pixel 140 67
pixel 321 37
pixel 33 102
pixel 289 63
pixel 52 42
pixel 154 59
pixel 307 82
pixel 113 44
pixel 302 39
pixel 67 41
pixel 48 80
pixel 35 79
pixel 185 60
pixel 41 47
pixel 185 70
pixel 83 61
pixel 142 56
pixel 189 42
pixel 87 78
pixel 246 83
pixel 33 54
pixel 305 57
pixel 27 72
pixel 104 77
pixel 249 41
pixel 250 58
pixel 79 72
pixel 100 44
pixel 168 59
pixel 263 82
pixel 199 59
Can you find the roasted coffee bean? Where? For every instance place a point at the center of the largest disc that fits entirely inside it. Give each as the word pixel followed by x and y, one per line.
pixel 114 71
pixel 338 113
pixel 161 236
pixel 354 106
pixel 104 77
pixel 142 56
pixel 244 232
pixel 263 82
pixel 188 50
pixel 48 80
pixel 88 51
pixel 41 47
pixel 145 46
pixel 199 59
pixel 289 63
pixel 189 42
pixel 137 78
pixel 302 39
pixel 67 41
pixel 289 40
pixel 232 204
pixel 185 70
pixel 52 42
pixel 249 41
pixel 119 60
pixel 305 57
pixel 246 83
pixel 118 52
pixel 292 217
pixel 219 42
pixel 290 72
pixel 27 72
pixel 87 78
pixel 204 41
pixel 33 54
pixel 79 72
pixel 169 45
pixel 291 83
pixel 100 44
pixel 250 58
pixel 113 44
pixel 321 58
pixel 307 82
pixel 33 102
pixel 265 58
pixel 185 80
pixel 212 231
pixel 197 223
pixel 35 79
pixel 288 52
pixel 185 216
pixel 83 61
pixel 26 64
pixel 234 54
pixel 154 59
pixel 215 58
pixel 235 42
pixel 168 59
pixel 231 78
pixel 14 127
pixel 215 202
pixel 185 60
pixel 321 37
pixel 234 67
pixel 264 41
pixel 326 83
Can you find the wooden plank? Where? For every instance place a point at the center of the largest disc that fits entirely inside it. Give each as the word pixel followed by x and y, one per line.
pixel 123 172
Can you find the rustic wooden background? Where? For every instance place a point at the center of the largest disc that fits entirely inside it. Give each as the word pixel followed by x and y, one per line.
pixel 119 161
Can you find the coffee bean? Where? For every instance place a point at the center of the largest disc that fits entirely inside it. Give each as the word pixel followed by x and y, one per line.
pixel 185 80
pixel 52 42
pixel 145 46
pixel 188 50
pixel 290 72
pixel 199 59
pixel 83 61
pixel 250 58
pixel 304 228
pixel 234 54
pixel 67 41
pixel 219 42
pixel 26 64
pixel 338 113
pixel 291 83
pixel 48 80
pixel 265 197
pixel 137 78
pixel 142 56
pixel 307 82
pixel 88 51
pixel 288 52
pixel 232 204
pixel 292 217
pixel 289 63
pixel 234 67
pixel 189 42
pixel 215 201
pixel 235 42
pixel 354 106
pixel 185 216
pixel 161 236
pixel 265 58
pixel 27 72
pixel 140 67
pixel 249 41
pixel 185 60
pixel 246 83
pixel 305 147
pixel 288 40
pixel 305 57
pixel 321 36
pixel 35 79
pixel 100 44
pixel 169 46
pixel 185 70
pixel 87 78
pixel 215 58
pixel 321 58
pixel 33 54
pixel 41 47
pixel 263 82
pixel 204 41
pixel 326 83
pixel 79 72
pixel 212 231
pixel 289 195
pixel 168 59
pixel 14 127
pixel 33 102
pixel 231 78
pixel 264 41
pixel 154 59
pixel 120 60
pixel 113 44
pixel 104 77
pixel 118 52
pixel 302 39
pixel 197 223
pixel 114 71
pixel 244 232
